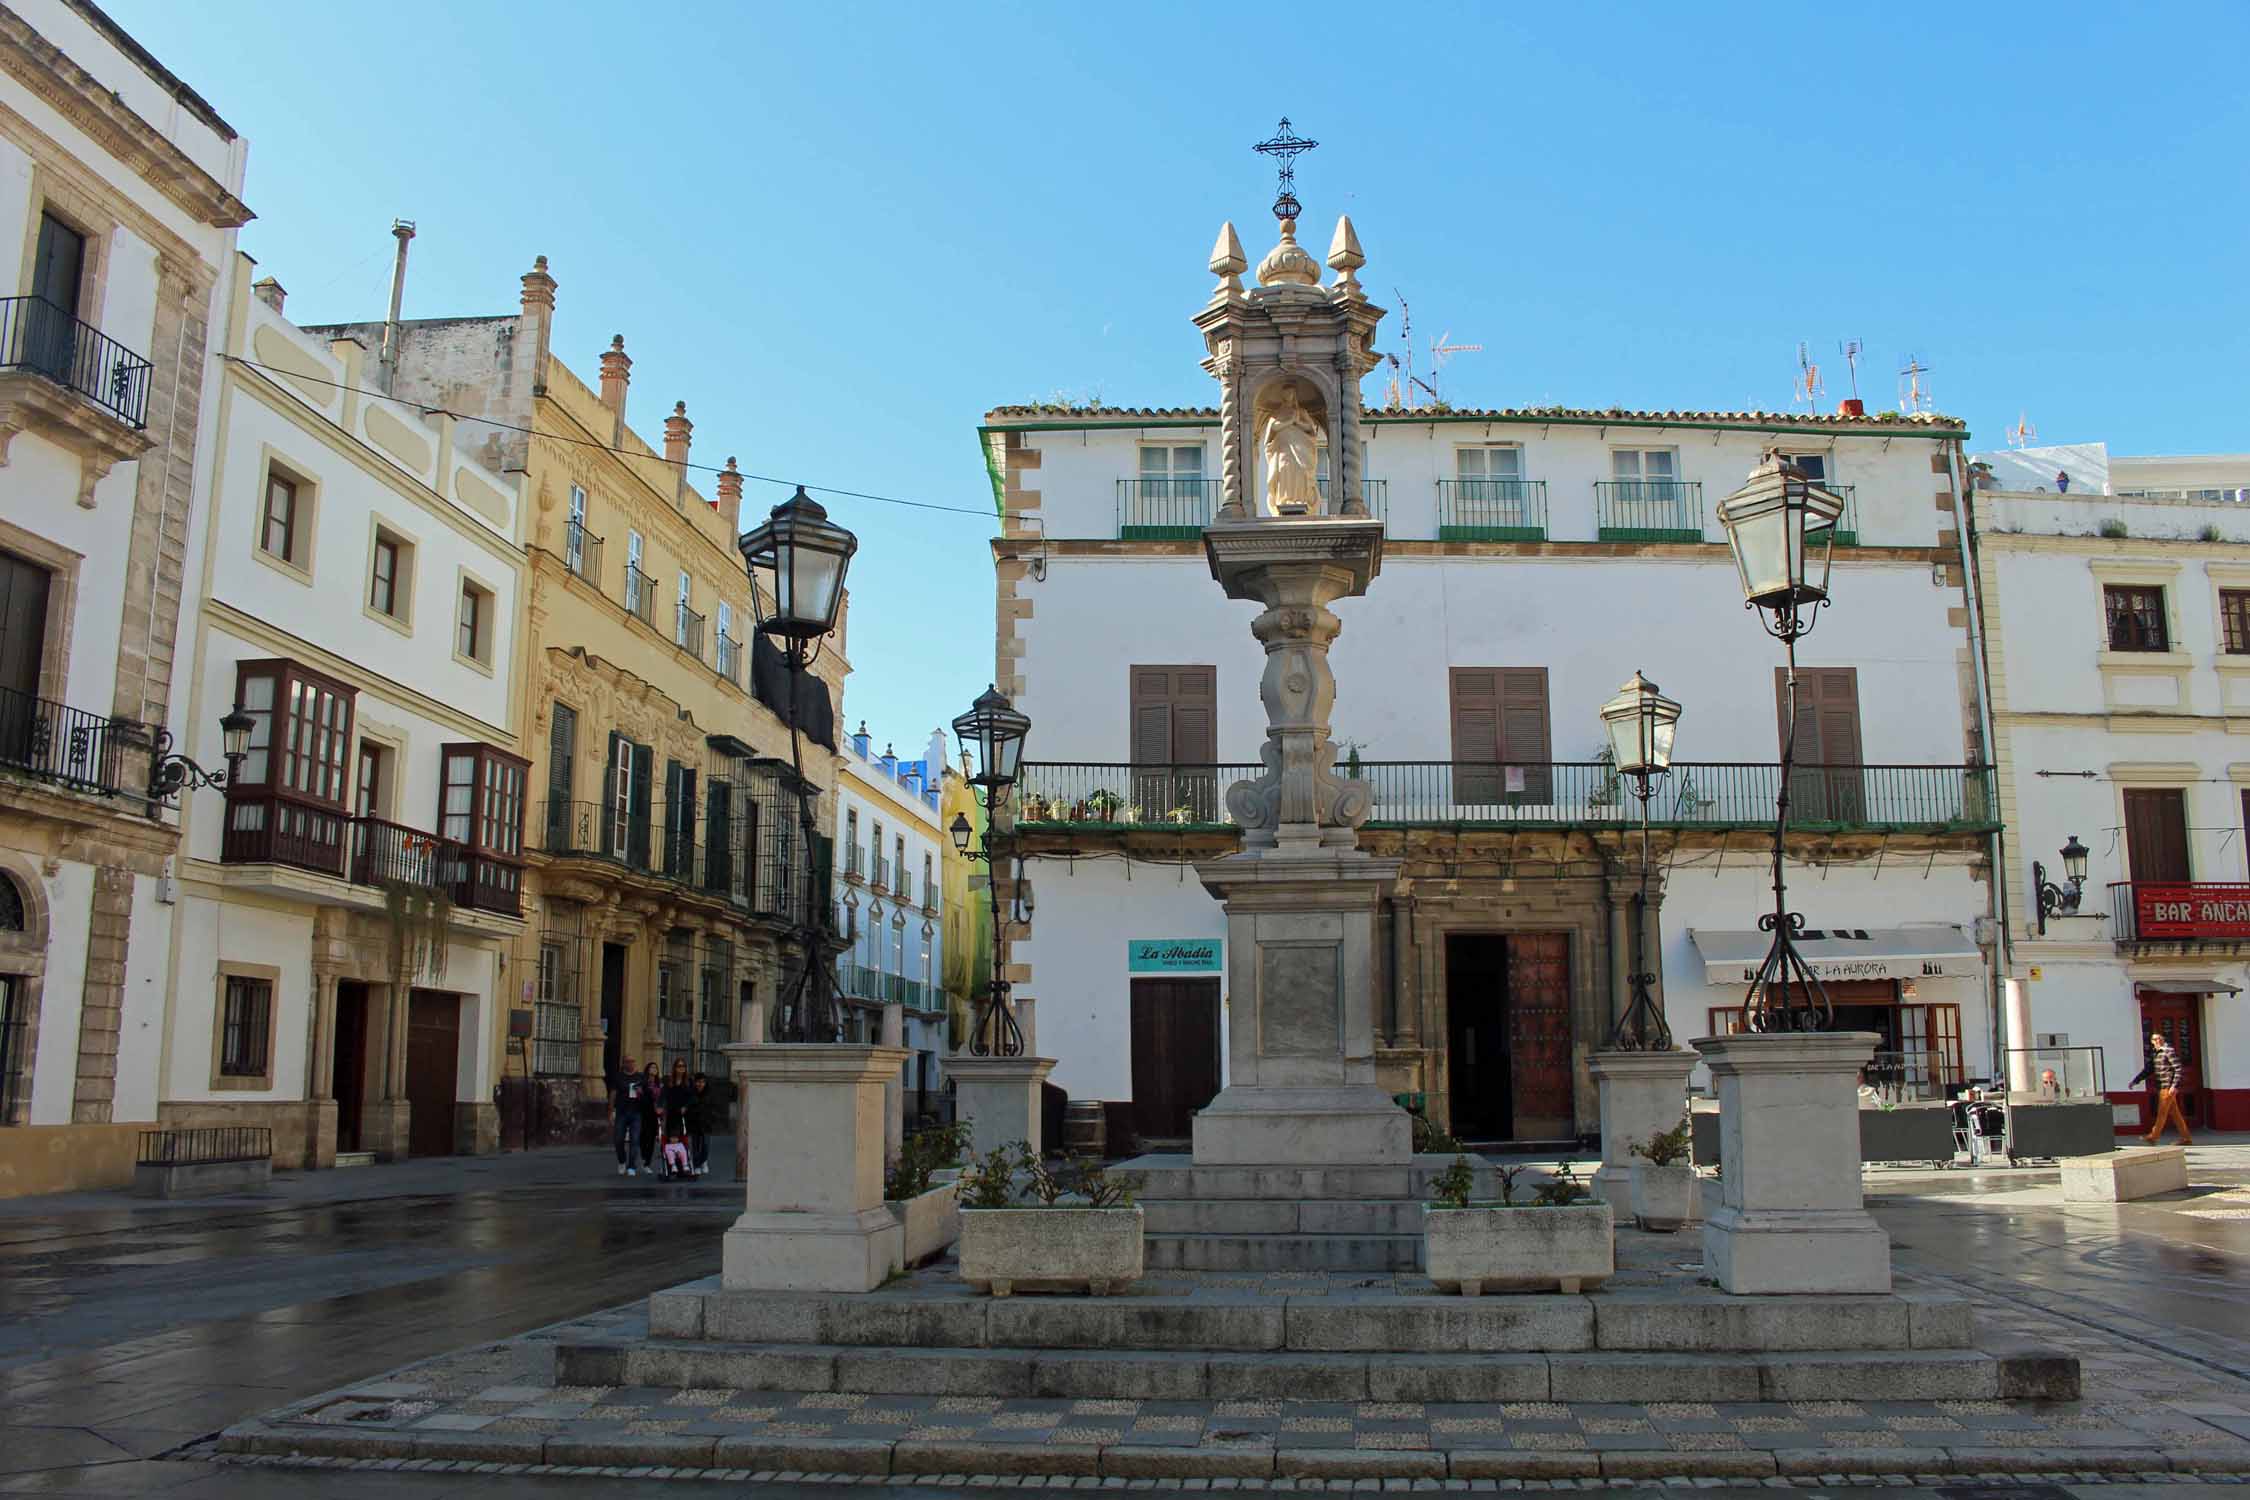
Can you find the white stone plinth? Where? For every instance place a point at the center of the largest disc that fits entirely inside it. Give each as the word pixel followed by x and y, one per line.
pixel 999 1097
pixel 815 1218
pixel 2121 1176
pixel 1642 1094
pixel 1791 1218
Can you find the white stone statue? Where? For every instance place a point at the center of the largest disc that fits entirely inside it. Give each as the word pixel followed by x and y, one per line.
pixel 1292 443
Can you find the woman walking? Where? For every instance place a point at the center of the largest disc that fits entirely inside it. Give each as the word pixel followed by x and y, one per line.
pixel 652 1093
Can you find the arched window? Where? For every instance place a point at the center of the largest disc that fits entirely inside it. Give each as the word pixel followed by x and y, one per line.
pixel 12 918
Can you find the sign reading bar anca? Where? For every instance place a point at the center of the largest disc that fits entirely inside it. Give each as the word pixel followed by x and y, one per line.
pixel 1172 955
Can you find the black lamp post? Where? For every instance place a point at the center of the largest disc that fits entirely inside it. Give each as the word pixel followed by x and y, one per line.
pixel 996 731
pixel 2062 900
pixel 168 773
pixel 808 555
pixel 1782 525
pixel 1641 722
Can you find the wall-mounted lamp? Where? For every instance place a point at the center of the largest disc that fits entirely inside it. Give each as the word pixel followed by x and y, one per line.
pixel 2060 900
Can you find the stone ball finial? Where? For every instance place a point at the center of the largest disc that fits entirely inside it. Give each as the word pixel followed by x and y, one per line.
pixel 1287 264
pixel 679 408
pixel 539 263
pixel 617 342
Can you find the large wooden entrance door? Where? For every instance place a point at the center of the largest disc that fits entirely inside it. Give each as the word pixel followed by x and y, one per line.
pixel 433 1059
pixel 348 1084
pixel 2179 1020
pixel 1175 1053
pixel 1539 1034
pixel 1478 1085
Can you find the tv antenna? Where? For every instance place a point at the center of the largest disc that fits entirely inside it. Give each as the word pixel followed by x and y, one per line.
pixel 1914 394
pixel 1442 348
pixel 1852 349
pixel 1807 388
pixel 2023 434
pixel 1400 386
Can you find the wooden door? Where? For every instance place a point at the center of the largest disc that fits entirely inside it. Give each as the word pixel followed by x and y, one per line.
pixel 23 624
pixel 1175 732
pixel 613 1010
pixel 2156 843
pixel 1499 718
pixel 58 267
pixel 433 1058
pixel 1539 1080
pixel 1175 1053
pixel 1478 1091
pixel 2179 1020
pixel 348 1083
pixel 1826 785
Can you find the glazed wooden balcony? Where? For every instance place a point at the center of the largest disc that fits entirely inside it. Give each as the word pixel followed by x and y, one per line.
pixel 273 828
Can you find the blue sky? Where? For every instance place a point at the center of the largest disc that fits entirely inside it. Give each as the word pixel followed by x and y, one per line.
pixel 842 232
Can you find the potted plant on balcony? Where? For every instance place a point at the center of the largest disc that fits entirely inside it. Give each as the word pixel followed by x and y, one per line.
pixel 1047 1231
pixel 1101 806
pixel 1555 1243
pixel 923 1192
pixel 1663 1189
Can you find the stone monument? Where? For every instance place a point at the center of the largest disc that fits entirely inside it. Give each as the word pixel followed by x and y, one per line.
pixel 1301 897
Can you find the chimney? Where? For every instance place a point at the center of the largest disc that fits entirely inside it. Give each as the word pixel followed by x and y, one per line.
pixel 617 373
pixel 677 431
pixel 859 739
pixel 730 498
pixel 404 230
pixel 270 292
pixel 538 323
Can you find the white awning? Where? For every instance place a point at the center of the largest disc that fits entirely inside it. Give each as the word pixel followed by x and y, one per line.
pixel 1933 952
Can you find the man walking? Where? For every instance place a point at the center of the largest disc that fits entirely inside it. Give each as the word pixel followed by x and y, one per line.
pixel 2164 1068
pixel 626 1088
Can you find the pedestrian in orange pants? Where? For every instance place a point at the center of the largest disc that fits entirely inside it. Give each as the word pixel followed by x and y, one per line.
pixel 2164 1064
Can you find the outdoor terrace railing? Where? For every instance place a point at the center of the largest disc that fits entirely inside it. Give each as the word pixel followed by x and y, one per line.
pixel 38 336
pixel 1492 510
pixel 729 659
pixel 582 553
pixel 688 632
pixel 58 743
pixel 273 828
pixel 1648 510
pixel 1377 493
pixel 2175 911
pixel 1541 794
pixel 640 595
pixel 205 1145
pixel 1164 509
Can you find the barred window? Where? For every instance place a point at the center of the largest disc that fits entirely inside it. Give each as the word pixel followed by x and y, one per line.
pixel 243 1040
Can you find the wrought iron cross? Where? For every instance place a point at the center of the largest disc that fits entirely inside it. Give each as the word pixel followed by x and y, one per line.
pixel 1286 146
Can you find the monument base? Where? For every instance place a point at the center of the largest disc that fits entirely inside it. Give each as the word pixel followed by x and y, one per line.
pixel 778 1251
pixel 1642 1094
pixel 1344 1125
pixel 999 1097
pixel 1756 1253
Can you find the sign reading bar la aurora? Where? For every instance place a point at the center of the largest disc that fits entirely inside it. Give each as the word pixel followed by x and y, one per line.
pixel 2191 911
pixel 1172 955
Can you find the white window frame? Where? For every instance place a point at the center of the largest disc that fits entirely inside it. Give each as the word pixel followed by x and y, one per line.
pixel 574 533
pixel 632 572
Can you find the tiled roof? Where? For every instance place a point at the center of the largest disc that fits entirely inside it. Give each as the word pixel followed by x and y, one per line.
pixel 1507 414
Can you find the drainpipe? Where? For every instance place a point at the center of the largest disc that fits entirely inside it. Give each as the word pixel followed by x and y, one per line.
pixel 404 229
pixel 1965 510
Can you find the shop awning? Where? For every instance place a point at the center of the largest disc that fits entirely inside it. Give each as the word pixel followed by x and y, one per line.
pixel 2187 987
pixel 1933 952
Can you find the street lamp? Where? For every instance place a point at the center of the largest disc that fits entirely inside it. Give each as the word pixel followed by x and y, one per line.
pixel 169 773
pixel 2061 901
pixel 1782 526
pixel 1641 722
pixel 996 732
pixel 808 555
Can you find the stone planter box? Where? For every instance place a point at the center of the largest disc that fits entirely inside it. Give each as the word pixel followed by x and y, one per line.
pixel 1663 1197
pixel 1569 1249
pixel 931 1221
pixel 1061 1249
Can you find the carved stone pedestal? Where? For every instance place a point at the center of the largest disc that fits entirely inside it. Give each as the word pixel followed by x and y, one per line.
pixel 815 1219
pixel 1791 1218
pixel 1642 1094
pixel 999 1097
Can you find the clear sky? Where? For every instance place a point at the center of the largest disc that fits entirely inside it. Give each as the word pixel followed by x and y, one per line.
pixel 843 232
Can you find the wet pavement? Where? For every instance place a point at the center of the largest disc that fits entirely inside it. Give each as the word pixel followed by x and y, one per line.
pixel 130 1329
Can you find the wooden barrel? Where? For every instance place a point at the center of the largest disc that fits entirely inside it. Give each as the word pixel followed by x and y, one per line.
pixel 1085 1128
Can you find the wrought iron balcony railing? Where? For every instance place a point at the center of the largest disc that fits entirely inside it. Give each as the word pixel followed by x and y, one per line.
pixel 1534 794
pixel 1377 493
pixel 1165 509
pixel 749 861
pixel 687 632
pixel 38 336
pixel 582 553
pixel 1648 510
pixel 1492 510
pixel 728 662
pixel 58 743
pixel 275 828
pixel 2179 911
pixel 640 595
pixel 1847 525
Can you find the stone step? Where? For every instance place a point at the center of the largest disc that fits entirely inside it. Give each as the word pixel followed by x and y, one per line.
pixel 1620 1320
pixel 1167 1176
pixel 1283 1252
pixel 1278 1216
pixel 1185 1375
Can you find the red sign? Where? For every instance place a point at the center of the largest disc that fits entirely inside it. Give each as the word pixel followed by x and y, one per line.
pixel 2199 910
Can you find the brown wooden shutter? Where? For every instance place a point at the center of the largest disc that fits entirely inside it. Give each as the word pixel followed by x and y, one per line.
pixel 1175 722
pixel 1152 716
pixel 1823 789
pixel 1524 739
pixel 2156 833
pixel 1476 734
pixel 1195 716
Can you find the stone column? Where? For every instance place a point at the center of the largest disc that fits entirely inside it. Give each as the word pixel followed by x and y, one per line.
pixel 999 1097
pixel 814 1218
pixel 1792 1218
pixel 1620 948
pixel 751 1034
pixel 894 1092
pixel 1642 1093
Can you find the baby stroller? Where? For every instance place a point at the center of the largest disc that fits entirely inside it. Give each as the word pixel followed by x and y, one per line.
pixel 675 1160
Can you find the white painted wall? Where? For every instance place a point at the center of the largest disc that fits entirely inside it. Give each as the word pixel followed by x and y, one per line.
pixel 236 931
pixel 70 896
pixel 148 982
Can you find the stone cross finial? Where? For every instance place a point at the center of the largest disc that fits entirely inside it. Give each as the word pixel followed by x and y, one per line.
pixel 1345 258
pixel 1228 262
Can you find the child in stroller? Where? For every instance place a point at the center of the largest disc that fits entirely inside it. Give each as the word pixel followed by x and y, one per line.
pixel 672 1128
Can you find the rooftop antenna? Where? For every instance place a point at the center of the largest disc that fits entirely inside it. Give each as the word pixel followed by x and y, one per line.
pixel 2023 434
pixel 1401 389
pixel 1914 395
pixel 1808 388
pixel 1443 348
pixel 1852 348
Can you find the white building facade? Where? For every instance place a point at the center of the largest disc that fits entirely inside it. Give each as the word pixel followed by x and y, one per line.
pixel 119 197
pixel 349 896
pixel 2119 656
pixel 1533 561
pixel 890 889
